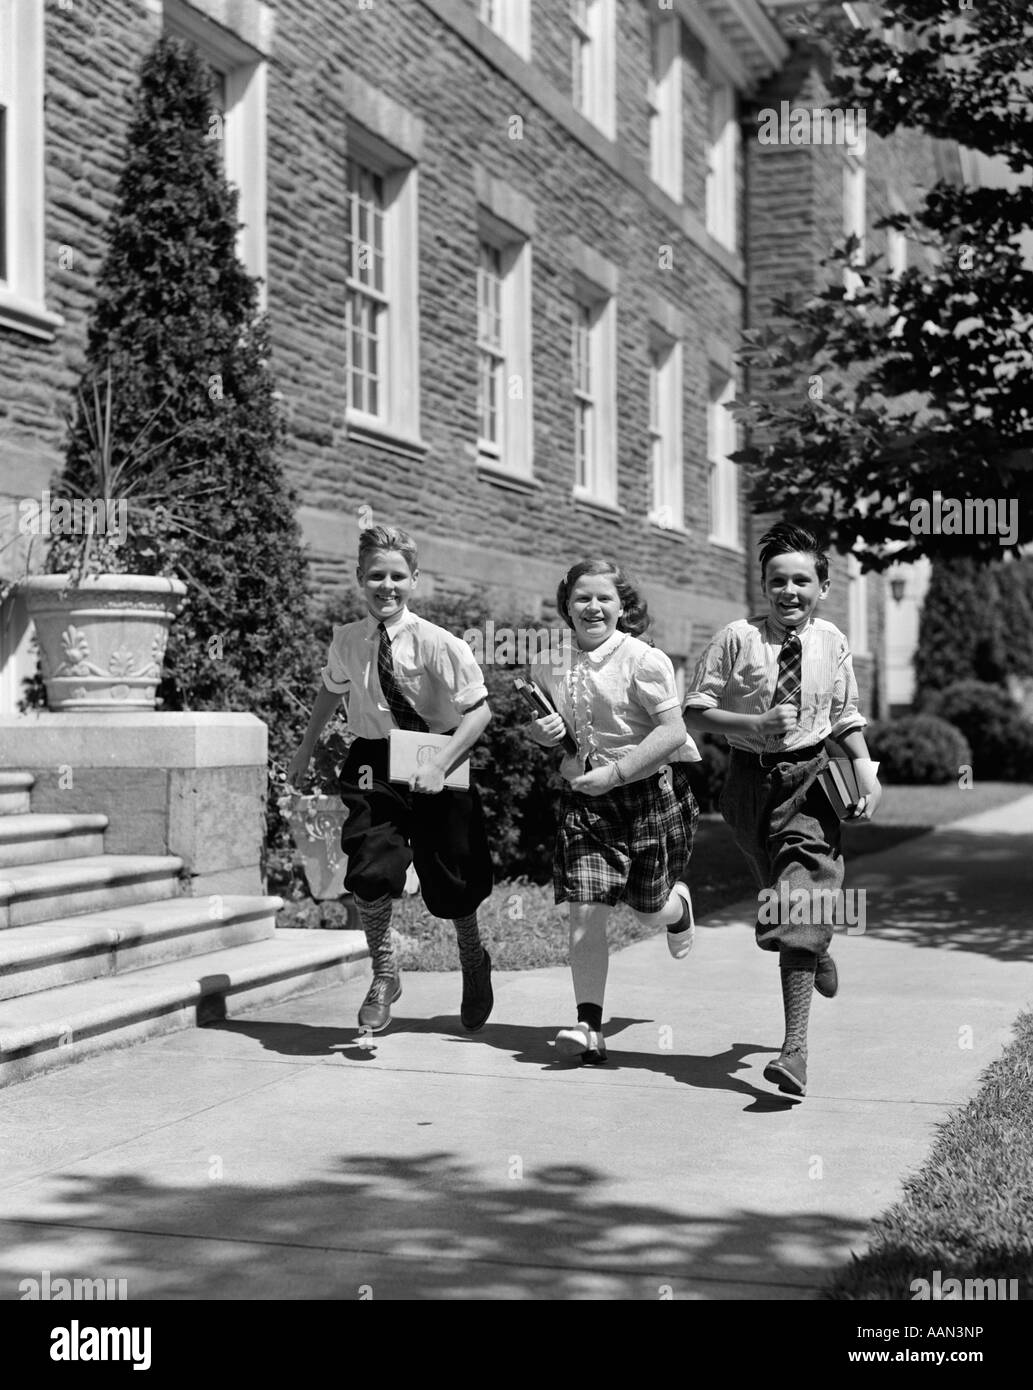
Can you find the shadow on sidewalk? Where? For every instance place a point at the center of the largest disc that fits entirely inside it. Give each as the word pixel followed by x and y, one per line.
pixel 526 1045
pixel 956 890
pixel 421 1226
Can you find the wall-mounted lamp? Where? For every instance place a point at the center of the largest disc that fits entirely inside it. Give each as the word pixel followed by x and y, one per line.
pixel 897 589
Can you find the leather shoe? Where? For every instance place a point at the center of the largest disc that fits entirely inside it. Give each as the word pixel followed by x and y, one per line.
pixel 788 1072
pixel 826 976
pixel 679 941
pixel 375 1010
pixel 478 996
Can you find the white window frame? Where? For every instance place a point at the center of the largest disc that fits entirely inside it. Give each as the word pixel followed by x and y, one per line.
pixel 398 408
pixel 600 480
pixel 22 285
pixel 723 475
pixel 665 105
pixel 855 216
pixel 724 142
pixel 513 450
pixel 857 607
pixel 594 61
pixel 244 73
pixel 511 20
pixel 667 499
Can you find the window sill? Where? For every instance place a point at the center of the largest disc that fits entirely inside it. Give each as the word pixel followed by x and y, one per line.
pixel 492 472
pixel 28 316
pixel 381 436
pixel 681 532
pixel 610 511
pixel 733 547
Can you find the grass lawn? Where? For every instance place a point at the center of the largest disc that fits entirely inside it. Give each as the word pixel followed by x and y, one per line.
pixel 969 1212
pixel 524 929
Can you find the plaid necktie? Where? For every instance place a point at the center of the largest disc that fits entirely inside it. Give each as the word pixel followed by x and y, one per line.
pixel 404 714
pixel 789 687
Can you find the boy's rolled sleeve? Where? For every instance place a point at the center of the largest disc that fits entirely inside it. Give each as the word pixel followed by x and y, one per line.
pixel 334 675
pixel 456 667
pixel 712 672
pixel 843 712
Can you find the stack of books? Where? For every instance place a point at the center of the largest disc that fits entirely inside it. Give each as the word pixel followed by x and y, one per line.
pixel 839 783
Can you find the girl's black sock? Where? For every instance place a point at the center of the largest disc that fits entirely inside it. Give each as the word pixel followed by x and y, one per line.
pixel 592 1014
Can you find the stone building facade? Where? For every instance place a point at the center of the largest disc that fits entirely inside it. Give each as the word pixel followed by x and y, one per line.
pixel 507 248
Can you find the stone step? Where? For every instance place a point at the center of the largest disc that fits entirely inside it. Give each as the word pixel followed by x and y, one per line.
pixel 71 887
pixel 47 955
pixel 30 838
pixel 15 790
pixel 56 1027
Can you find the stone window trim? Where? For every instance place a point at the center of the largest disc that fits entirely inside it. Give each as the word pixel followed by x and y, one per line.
pixel 396 425
pixel 23 286
pixel 593 27
pixel 228 37
pixel 511 21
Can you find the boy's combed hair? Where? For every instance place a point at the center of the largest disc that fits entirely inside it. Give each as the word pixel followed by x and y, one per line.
pixel 787 538
pixel 376 538
pixel 635 618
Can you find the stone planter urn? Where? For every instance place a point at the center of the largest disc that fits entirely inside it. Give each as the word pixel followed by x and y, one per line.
pixel 102 640
pixel 316 823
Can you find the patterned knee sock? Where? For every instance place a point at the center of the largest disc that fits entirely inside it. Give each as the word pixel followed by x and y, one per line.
pixel 797 971
pixel 468 938
pixel 375 917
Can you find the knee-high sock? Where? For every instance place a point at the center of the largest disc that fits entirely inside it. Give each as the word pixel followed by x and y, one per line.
pixel 797 972
pixel 589 953
pixel 468 939
pixel 375 917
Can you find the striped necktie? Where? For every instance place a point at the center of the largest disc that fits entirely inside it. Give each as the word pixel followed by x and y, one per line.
pixel 789 687
pixel 403 713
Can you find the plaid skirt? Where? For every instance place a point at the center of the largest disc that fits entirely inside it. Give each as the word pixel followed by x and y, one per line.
pixel 630 845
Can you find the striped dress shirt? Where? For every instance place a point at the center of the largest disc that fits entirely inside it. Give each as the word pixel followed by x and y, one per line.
pixel 738 671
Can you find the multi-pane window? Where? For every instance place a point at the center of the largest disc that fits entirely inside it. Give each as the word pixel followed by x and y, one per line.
pixel 367 296
pixel 664 99
pixel 511 20
pixel 491 357
pixel 594 381
pixel 584 400
pixel 593 43
pixel 665 442
pixel 722 163
pixel 854 217
pixel 722 440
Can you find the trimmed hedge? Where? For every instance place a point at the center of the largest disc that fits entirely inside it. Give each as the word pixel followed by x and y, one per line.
pixel 1000 739
pixel 918 748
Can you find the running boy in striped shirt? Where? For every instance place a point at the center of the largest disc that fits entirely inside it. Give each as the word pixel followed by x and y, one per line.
pixel 398 671
pixel 777 686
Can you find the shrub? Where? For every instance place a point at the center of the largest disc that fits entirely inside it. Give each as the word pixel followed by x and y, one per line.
pixel 917 748
pixel 976 625
pixel 708 777
pixel 990 721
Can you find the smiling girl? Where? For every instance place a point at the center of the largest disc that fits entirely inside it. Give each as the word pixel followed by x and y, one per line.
pixel 627 817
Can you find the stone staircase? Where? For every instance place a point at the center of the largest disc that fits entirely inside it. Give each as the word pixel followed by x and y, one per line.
pixel 101 950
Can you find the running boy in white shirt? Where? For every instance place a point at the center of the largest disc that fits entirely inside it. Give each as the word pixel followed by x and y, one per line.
pixel 777 686
pixel 396 670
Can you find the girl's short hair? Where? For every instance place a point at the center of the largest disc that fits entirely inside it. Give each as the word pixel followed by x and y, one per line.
pixel 787 539
pixel 635 619
pixel 376 538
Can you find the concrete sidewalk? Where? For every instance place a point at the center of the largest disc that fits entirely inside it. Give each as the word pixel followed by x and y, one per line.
pixel 271 1157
